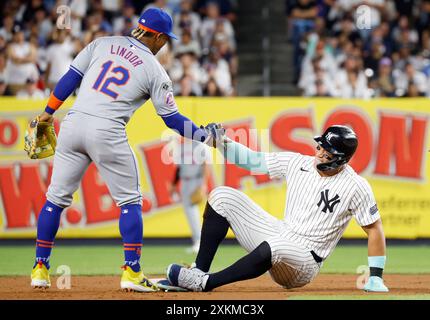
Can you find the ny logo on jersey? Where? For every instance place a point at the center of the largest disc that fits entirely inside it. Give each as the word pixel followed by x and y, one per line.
pixel 328 203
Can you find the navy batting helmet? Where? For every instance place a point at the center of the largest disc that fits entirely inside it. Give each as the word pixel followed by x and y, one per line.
pixel 341 142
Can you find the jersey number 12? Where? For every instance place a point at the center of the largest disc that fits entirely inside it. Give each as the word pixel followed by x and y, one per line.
pixel 102 84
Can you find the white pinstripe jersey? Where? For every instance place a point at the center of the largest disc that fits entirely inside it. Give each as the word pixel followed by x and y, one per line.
pixel 318 209
pixel 119 75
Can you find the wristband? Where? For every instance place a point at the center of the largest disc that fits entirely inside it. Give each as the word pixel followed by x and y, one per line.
pixel 49 110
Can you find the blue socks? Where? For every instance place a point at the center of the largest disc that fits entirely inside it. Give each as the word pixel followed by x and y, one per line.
pixel 47 227
pixel 131 229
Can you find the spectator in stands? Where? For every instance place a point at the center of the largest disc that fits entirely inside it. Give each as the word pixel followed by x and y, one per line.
pixel 3 44
pixel 111 8
pixel 59 55
pixel 187 64
pixel 211 89
pixel 402 33
pixel 301 20
pixel 97 26
pixel 162 4
pixel 220 34
pixel 31 8
pixel 383 81
pixel 188 87
pixel 92 19
pixel 226 8
pixel 187 44
pixel 3 75
pixel 410 81
pixel 6 31
pixel 413 91
pixel 218 69
pixel 351 81
pixel 214 22
pixel 21 63
pixel 327 61
pixel 30 91
pixel 128 20
pixel 222 44
pixel 43 25
pixel 317 81
pixel 375 56
pixel 187 20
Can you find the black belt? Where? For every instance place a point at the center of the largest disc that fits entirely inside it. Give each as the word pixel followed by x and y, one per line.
pixel 317 258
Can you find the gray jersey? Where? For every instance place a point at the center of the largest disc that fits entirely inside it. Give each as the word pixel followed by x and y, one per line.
pixel 318 209
pixel 119 75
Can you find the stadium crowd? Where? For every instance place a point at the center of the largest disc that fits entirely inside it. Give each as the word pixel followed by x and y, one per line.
pixel 347 50
pixel 40 38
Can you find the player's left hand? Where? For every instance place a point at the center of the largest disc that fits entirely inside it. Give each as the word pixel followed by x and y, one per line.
pixel 215 132
pixel 375 284
pixel 40 139
pixel 46 117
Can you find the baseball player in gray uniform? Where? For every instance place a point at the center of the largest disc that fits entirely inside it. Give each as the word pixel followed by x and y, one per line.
pixel 191 160
pixel 117 75
pixel 324 193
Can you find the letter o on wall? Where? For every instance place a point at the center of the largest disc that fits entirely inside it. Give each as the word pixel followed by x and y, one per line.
pixel 8 133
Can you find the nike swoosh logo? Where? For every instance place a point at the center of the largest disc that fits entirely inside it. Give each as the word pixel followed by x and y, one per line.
pixel 301 169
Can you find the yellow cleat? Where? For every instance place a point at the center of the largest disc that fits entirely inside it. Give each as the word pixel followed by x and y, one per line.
pixel 40 276
pixel 136 281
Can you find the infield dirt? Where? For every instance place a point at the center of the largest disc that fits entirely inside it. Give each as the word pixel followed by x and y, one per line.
pixel 262 288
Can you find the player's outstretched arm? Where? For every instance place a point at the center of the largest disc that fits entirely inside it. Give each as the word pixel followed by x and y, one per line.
pixel 244 157
pixel 184 126
pixel 376 257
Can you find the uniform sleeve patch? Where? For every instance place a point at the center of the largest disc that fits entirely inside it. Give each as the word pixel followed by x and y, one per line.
pixel 373 210
pixel 167 86
pixel 170 100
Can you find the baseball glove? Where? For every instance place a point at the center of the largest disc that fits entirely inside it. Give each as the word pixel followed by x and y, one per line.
pixel 198 195
pixel 40 140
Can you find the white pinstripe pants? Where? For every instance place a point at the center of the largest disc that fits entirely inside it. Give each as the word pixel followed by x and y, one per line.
pixel 292 264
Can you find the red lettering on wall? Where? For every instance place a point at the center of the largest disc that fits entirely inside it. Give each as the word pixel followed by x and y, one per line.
pixel 93 191
pixel 161 173
pixel 363 128
pixel 233 174
pixel 405 145
pixel 8 133
pixel 283 128
pixel 21 198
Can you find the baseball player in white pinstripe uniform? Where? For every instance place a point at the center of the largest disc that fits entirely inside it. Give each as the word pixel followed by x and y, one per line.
pixel 324 193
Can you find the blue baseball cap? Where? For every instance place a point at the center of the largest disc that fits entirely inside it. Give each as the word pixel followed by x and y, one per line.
pixel 158 21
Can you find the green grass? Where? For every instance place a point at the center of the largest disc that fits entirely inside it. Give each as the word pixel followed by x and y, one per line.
pixel 400 259
pixel 107 260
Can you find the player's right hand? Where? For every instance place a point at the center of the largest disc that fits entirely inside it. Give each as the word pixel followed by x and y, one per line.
pixel 375 284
